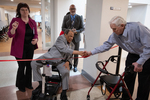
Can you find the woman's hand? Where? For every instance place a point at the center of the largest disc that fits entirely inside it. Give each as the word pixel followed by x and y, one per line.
pixel 15 25
pixel 34 41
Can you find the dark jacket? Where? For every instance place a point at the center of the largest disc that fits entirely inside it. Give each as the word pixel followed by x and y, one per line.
pixel 78 25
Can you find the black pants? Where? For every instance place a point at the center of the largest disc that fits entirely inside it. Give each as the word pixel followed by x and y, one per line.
pixel 76 56
pixel 24 76
pixel 143 79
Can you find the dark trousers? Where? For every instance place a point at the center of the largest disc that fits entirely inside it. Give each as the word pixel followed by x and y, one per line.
pixel 76 56
pixel 24 73
pixel 143 79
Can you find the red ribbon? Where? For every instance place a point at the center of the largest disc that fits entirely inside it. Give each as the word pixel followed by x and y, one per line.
pixel 47 59
pixel 40 59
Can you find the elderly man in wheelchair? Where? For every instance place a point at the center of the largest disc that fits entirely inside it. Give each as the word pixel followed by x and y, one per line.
pixel 60 55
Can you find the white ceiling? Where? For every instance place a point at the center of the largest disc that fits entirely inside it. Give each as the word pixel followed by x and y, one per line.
pixel 12 5
pixel 33 4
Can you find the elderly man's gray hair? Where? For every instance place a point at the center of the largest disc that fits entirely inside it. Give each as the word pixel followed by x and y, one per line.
pixel 117 20
pixel 67 31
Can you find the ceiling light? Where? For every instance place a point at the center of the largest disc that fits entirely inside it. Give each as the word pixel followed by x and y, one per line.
pixel 11 0
pixel 129 6
pixel 39 2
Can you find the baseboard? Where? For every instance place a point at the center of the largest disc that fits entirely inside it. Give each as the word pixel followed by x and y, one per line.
pixel 89 77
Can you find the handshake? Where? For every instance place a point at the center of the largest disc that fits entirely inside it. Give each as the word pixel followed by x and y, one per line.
pixel 85 53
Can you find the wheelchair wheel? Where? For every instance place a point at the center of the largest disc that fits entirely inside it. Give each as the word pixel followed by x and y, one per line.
pixel 88 97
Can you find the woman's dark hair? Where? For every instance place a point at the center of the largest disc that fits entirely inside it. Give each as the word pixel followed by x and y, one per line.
pixel 20 5
pixel 67 31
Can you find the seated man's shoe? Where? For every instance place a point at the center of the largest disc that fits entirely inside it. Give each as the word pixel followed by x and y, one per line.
pixel 75 69
pixel 64 98
pixel 22 89
pixel 38 89
pixel 63 95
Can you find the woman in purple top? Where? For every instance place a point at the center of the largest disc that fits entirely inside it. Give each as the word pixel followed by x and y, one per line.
pixel 23 30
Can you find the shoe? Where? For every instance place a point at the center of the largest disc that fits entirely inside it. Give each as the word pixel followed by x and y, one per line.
pixel 64 97
pixel 75 69
pixel 29 87
pixel 38 89
pixel 22 89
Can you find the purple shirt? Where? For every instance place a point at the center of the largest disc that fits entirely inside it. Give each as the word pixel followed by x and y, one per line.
pixel 18 38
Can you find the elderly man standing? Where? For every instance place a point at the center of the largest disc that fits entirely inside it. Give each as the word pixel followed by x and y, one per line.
pixel 134 38
pixel 63 48
pixel 74 22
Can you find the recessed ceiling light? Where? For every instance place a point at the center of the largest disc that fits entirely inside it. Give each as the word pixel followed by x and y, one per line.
pixel 129 6
pixel 11 0
pixel 39 2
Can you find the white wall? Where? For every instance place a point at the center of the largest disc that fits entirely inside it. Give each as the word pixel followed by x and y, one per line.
pixel 2 14
pixel 147 17
pixel 98 30
pixel 92 36
pixel 137 14
pixel 81 7
pixel 3 21
pixel 10 15
pixel 140 1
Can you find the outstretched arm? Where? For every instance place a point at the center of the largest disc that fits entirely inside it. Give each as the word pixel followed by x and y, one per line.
pixel 81 53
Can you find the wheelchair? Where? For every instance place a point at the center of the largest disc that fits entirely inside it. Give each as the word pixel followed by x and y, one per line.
pixel 114 83
pixel 50 83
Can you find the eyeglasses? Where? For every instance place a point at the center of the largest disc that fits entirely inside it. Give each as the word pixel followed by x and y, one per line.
pixel 24 9
pixel 72 8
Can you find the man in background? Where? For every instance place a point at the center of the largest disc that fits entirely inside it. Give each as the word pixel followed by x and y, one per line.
pixel 74 22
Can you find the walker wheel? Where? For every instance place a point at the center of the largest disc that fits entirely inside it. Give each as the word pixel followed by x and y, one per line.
pixel 54 98
pixel 88 97
pixel 103 91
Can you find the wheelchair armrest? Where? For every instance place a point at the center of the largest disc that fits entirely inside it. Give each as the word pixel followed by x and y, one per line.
pixel 100 69
pixel 44 62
